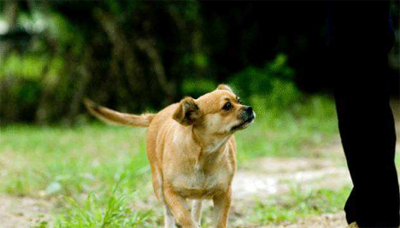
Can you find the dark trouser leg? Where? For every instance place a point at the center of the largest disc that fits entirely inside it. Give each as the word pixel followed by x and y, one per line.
pixel 360 40
pixel 367 130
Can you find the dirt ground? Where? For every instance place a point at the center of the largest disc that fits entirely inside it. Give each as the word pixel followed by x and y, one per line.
pixel 274 174
pixel 271 178
pixel 323 221
pixel 23 212
pixel 274 177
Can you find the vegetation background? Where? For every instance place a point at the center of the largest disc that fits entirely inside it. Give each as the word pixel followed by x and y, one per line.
pixel 137 56
pixel 143 55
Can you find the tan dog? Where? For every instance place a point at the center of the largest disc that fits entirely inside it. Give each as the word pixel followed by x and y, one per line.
pixel 192 152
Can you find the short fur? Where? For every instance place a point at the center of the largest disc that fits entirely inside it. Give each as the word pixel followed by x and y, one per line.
pixel 192 152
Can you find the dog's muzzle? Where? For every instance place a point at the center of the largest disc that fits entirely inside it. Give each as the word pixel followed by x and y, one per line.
pixel 247 117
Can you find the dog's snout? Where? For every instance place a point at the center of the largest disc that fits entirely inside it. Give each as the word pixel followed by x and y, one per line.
pixel 248 110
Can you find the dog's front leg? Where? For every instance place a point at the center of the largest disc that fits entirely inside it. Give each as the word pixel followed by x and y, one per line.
pixel 169 220
pixel 222 204
pixel 180 209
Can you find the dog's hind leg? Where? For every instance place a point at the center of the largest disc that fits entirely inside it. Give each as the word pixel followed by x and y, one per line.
pixel 196 210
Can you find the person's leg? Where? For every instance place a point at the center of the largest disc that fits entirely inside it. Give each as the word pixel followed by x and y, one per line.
pixel 367 130
pixel 360 38
pixel 350 207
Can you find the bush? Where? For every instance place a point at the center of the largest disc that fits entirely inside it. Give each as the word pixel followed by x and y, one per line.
pixel 19 98
pixel 269 88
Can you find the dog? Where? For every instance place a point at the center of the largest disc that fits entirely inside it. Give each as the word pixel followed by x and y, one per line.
pixel 192 152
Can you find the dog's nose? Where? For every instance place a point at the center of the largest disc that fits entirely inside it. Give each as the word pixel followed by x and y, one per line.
pixel 248 110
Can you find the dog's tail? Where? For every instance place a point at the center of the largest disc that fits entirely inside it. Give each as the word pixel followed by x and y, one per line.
pixel 115 117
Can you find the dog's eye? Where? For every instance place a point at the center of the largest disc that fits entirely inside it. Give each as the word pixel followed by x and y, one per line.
pixel 227 106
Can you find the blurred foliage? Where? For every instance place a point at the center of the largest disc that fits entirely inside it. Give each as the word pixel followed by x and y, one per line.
pixel 255 81
pixel 143 55
pixel 270 87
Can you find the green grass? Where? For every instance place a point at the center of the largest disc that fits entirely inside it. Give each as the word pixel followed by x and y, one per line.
pixel 115 212
pixel 49 161
pixel 53 161
pixel 81 166
pixel 298 204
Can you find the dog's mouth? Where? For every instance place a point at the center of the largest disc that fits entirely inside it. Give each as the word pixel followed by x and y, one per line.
pixel 244 124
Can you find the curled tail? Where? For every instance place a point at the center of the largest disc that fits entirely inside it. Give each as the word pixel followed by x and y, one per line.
pixel 115 117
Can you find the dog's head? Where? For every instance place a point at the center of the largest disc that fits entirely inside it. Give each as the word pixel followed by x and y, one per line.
pixel 220 112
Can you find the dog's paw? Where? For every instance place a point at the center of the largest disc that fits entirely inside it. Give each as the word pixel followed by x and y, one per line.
pixel 195 225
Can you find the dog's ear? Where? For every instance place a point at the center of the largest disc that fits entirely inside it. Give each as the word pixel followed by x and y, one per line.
pixel 224 87
pixel 187 112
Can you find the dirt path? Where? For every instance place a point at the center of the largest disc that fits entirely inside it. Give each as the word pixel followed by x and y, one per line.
pixel 16 212
pixel 278 175
pixel 260 178
pixel 323 221
pixel 273 176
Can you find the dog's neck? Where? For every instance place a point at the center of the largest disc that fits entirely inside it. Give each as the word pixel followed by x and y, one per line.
pixel 204 150
pixel 209 144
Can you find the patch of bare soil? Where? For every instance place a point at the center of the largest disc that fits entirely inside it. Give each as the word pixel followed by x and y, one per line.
pixel 271 176
pixel 287 165
pixel 277 175
pixel 16 212
pixel 324 221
